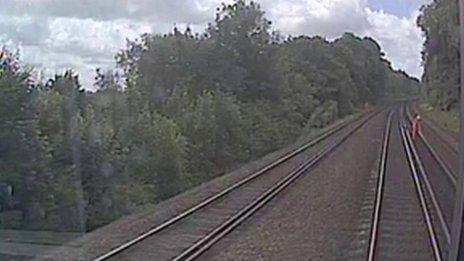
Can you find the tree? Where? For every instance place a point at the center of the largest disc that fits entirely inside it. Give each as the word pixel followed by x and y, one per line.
pixel 60 117
pixel 178 109
pixel 439 21
pixel 212 126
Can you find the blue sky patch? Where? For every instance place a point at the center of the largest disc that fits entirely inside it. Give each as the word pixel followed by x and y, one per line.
pixel 397 7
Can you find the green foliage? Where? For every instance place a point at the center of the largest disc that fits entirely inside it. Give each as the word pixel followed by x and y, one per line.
pixel 440 22
pixel 212 125
pixel 156 154
pixel 185 109
pixel 269 127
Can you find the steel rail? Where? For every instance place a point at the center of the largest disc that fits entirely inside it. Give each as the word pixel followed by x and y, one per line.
pixel 439 160
pixel 406 140
pixel 429 187
pixel 444 225
pixel 435 155
pixel 215 197
pixel 435 129
pixel 444 140
pixel 221 231
pixel 379 191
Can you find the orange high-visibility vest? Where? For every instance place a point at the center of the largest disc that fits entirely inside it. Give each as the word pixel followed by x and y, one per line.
pixel 416 128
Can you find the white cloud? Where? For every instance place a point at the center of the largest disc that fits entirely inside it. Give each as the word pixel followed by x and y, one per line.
pixel 87 34
pixel 25 29
pixel 330 18
pixel 181 11
pixel 88 37
pixel 400 39
pixel 78 44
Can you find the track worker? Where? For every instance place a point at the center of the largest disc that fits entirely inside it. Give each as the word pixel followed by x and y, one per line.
pixel 416 126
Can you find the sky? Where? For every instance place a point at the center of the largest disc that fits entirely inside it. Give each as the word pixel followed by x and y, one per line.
pixel 54 35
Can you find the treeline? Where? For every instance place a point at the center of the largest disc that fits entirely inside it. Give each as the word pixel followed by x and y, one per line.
pixel 440 22
pixel 186 108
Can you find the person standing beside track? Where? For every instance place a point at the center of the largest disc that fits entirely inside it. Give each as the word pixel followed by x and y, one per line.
pixel 416 126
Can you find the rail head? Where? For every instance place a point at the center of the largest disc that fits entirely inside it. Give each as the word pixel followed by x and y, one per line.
pixel 428 186
pixel 217 234
pixel 435 155
pixel 407 141
pixel 379 189
pixel 410 156
pixel 229 189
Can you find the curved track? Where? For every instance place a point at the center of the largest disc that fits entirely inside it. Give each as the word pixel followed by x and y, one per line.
pixel 438 131
pixel 402 227
pixel 380 186
pixel 441 163
pixel 440 184
pixel 188 234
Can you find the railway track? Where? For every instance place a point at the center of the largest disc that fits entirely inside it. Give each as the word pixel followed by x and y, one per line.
pixel 437 130
pixel 440 184
pixel 446 169
pixel 418 174
pixel 189 234
pixel 402 226
pixel 380 186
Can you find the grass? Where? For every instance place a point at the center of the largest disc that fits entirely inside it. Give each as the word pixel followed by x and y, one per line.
pixel 448 120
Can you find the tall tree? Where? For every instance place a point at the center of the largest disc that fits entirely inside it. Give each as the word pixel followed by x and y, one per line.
pixel 439 21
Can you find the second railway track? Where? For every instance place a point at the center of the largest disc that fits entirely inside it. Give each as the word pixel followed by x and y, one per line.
pixel 440 184
pixel 402 227
pixel 190 233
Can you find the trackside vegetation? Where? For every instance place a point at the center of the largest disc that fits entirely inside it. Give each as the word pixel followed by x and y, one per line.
pixel 178 109
pixel 439 21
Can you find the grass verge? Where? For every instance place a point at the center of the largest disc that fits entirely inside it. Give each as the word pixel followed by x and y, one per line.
pixel 448 120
